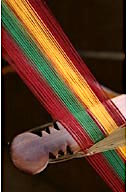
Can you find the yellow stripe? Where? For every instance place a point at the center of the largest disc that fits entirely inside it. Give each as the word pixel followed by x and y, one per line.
pixel 62 64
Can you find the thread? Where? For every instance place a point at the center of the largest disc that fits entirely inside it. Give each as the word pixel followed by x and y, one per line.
pixel 35 45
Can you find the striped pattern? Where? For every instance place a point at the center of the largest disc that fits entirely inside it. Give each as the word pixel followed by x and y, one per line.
pixel 35 45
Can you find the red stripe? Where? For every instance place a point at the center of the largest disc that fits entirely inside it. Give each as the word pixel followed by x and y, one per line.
pixel 47 17
pixel 55 107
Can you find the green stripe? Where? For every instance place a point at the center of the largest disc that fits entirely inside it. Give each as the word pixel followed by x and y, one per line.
pixel 113 159
pixel 29 47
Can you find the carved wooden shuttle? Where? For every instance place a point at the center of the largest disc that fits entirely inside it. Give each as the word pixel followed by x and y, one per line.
pixel 33 150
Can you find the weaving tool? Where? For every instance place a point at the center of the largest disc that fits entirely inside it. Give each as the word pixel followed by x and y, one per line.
pixel 36 47
pixel 52 144
pixel 58 148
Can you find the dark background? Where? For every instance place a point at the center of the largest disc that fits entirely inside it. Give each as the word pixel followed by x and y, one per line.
pixel 96 29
